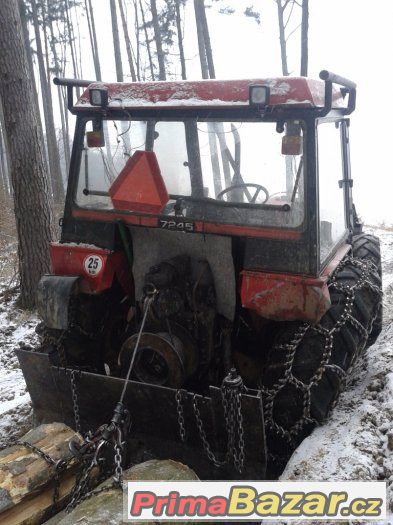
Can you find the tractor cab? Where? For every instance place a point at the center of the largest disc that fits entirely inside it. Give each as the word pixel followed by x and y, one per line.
pixel 264 162
pixel 211 272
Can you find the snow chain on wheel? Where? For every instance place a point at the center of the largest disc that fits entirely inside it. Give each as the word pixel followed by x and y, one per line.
pixel 307 364
pixel 366 247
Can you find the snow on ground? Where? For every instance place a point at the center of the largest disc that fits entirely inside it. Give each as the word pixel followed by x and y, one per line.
pixel 16 329
pixel 356 443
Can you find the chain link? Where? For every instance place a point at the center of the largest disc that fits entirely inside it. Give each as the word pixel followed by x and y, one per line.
pixel 118 448
pixel 206 446
pixel 231 392
pixel 180 416
pixel 39 452
pixel 75 404
pixel 234 426
pixel 365 268
pixel 80 487
pixel 107 435
pixel 59 467
pixel 91 449
pixel 91 493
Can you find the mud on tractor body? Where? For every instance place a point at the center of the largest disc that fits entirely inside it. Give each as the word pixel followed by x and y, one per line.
pixel 212 273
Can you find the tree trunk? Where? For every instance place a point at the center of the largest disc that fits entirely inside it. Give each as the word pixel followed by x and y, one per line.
pixel 147 41
pixel 26 39
pixel 206 38
pixel 93 38
pixel 304 40
pixel 180 41
pixel 137 35
pixel 71 43
pixel 283 43
pixel 78 39
pixel 116 42
pixel 28 170
pixel 127 41
pixel 62 108
pixel 285 72
pixel 158 39
pixel 207 68
pixel 53 152
pixel 201 41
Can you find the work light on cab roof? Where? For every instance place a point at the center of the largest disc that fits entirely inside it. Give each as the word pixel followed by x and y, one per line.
pixel 212 277
pixel 98 97
pixel 259 95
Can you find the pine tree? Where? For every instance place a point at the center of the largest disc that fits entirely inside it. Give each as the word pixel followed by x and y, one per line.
pixel 28 171
pixel 53 152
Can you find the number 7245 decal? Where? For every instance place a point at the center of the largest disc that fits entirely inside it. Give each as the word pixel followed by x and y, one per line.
pixel 177 225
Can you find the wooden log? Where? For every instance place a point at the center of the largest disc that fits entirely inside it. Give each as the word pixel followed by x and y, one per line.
pixel 107 507
pixel 27 481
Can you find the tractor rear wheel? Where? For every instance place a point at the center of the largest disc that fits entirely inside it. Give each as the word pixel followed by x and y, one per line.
pixel 367 248
pixel 307 365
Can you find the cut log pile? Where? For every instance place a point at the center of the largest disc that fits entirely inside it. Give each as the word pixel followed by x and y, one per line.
pixel 28 481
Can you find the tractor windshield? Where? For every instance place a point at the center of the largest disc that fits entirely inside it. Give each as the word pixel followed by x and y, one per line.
pixel 232 172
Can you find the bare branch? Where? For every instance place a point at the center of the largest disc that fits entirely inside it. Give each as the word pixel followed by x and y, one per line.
pixel 291 33
pixel 289 15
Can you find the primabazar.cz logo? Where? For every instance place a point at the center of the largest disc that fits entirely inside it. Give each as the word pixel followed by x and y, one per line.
pixel 249 500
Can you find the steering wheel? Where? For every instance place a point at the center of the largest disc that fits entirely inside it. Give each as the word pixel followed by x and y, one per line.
pixel 251 199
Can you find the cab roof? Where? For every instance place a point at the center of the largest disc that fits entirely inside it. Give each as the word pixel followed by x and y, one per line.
pixel 293 92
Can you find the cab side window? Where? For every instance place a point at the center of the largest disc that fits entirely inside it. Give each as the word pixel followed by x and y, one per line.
pixel 331 198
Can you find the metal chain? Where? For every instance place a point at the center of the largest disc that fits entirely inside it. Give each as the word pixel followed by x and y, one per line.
pixel 80 487
pixel 111 434
pixel 95 492
pixel 234 426
pixel 43 455
pixel 75 404
pixel 180 416
pixel 118 475
pixel 59 467
pixel 206 446
pixel 231 392
pixel 90 449
pixel 365 268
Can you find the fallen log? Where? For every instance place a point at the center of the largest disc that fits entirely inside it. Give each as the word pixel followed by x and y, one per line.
pixel 106 508
pixel 28 480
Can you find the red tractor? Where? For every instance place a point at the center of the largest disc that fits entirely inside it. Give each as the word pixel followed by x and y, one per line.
pixel 212 281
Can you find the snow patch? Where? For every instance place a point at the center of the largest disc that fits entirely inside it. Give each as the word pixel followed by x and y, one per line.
pixel 79 245
pixel 17 329
pixel 174 102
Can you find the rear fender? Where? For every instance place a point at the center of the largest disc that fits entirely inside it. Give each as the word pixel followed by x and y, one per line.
pixel 96 267
pixel 287 297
